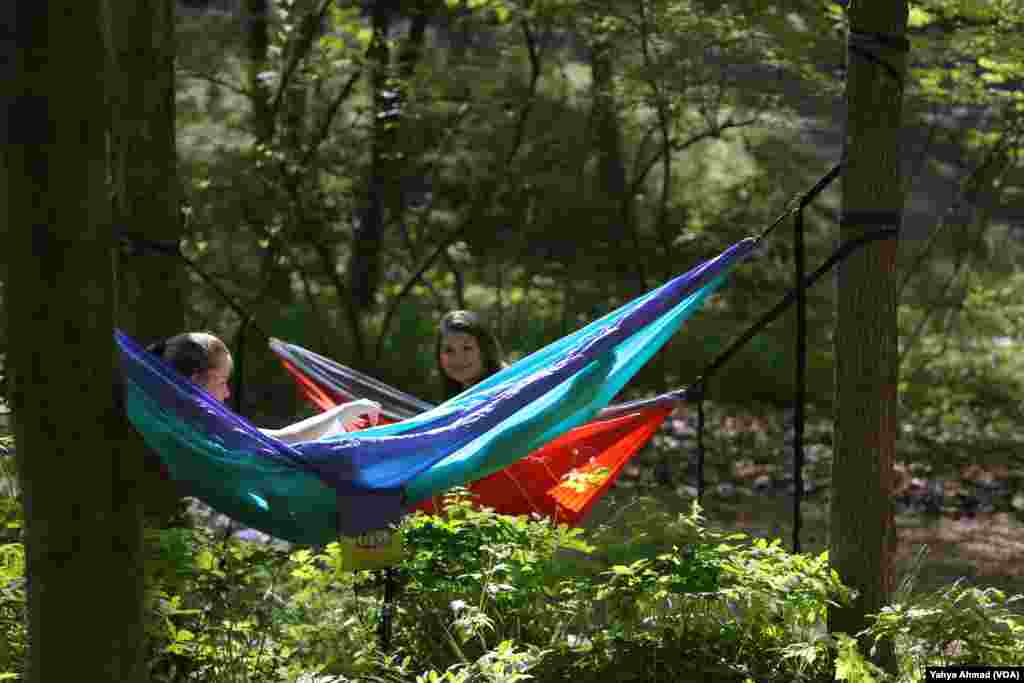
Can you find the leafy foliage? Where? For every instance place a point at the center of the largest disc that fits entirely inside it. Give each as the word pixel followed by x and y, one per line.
pixel 13 632
pixel 960 391
pixel 525 182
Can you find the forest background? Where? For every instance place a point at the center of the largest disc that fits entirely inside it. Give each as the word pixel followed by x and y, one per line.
pixel 350 172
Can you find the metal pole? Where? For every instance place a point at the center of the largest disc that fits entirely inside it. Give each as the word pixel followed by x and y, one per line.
pixel 384 632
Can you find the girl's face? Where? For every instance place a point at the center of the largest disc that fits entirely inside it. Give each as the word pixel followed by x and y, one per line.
pixel 461 359
pixel 216 380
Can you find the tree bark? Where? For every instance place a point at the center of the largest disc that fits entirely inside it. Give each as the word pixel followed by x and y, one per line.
pixel 861 531
pixel 82 530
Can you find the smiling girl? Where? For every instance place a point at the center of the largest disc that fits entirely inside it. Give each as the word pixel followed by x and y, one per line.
pixel 467 352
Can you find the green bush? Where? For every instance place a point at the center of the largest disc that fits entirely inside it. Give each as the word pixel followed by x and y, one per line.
pixel 13 637
pixel 491 598
pixel 957 625
pixel 213 608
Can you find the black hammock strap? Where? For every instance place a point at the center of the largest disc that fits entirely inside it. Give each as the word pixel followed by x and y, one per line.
pixel 887 226
pixel 838 255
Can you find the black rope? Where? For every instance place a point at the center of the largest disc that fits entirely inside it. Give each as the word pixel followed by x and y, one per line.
pixel 800 201
pixel 838 255
pixel 699 389
pixel 799 262
pixel 700 446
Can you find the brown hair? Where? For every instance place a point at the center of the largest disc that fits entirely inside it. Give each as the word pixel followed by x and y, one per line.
pixel 191 353
pixel 469 323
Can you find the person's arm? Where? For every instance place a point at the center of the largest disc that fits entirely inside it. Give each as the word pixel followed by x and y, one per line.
pixel 334 421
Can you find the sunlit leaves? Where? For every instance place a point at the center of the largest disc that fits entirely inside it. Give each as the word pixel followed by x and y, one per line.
pixel 919 17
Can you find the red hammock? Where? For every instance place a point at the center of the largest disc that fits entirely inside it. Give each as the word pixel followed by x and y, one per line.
pixel 561 481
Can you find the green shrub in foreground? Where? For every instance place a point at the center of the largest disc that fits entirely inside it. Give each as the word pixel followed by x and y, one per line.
pixel 491 598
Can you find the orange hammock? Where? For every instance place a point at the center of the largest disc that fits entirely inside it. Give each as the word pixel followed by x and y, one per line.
pixel 561 481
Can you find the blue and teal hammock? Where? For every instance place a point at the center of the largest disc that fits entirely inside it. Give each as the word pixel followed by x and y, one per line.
pixel 312 492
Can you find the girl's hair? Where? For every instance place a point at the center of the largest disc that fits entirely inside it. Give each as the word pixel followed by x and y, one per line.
pixel 191 353
pixel 469 323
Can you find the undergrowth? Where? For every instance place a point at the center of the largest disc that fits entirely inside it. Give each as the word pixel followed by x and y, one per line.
pixel 486 597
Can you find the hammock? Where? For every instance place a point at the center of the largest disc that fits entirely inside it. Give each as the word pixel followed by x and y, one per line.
pixel 562 480
pixel 349 484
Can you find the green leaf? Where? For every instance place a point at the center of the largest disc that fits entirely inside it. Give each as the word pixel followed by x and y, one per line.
pixel 364 36
pixel 919 17
pixel 205 560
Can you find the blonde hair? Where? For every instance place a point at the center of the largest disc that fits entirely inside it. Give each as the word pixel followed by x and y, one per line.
pixel 192 353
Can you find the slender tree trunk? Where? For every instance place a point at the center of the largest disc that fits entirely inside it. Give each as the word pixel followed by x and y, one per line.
pixel 612 186
pixel 255 14
pixel 364 265
pixel 82 531
pixel 383 185
pixel 861 534
pixel 147 194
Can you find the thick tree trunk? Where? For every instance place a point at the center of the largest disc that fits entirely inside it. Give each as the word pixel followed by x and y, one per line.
pixel 860 543
pixel 82 531
pixel 151 285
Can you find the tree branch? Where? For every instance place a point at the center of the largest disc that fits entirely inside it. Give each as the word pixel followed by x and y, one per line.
pixel 969 188
pixel 311 22
pixel 216 80
pixel 686 144
pixel 332 111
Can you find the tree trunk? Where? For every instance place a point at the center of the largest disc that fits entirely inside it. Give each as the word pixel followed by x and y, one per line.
pixel 860 543
pixel 383 185
pixel 147 192
pixel 364 264
pixel 151 285
pixel 82 530
pixel 255 15
pixel 613 194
